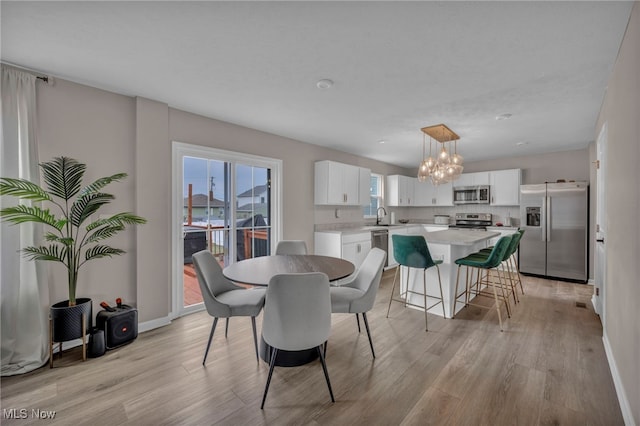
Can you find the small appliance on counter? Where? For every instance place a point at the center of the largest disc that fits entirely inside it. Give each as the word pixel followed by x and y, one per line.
pixel 441 219
pixel 476 221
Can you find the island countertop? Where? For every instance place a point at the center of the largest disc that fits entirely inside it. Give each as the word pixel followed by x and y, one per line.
pixel 459 237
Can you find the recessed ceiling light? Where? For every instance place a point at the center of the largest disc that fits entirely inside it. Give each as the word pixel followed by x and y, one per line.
pixel 325 83
pixel 522 143
pixel 382 141
pixel 503 116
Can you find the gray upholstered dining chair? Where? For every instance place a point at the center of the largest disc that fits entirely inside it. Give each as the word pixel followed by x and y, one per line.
pixel 358 294
pixel 224 299
pixel 291 247
pixel 297 316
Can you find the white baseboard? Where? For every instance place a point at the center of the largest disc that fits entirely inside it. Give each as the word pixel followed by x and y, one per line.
pixel 156 323
pixel 142 327
pixel 627 415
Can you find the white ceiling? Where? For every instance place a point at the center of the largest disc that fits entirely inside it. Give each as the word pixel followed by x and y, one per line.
pixel 397 66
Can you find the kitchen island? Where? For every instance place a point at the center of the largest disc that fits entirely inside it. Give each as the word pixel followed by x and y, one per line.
pixel 448 246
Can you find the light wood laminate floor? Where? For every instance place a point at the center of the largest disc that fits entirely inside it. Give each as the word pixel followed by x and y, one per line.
pixel 547 368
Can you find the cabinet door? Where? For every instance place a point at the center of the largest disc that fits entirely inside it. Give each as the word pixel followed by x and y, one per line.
pixel 465 179
pixel 356 252
pixel 409 190
pixel 351 184
pixel 392 193
pixel 444 194
pixel 505 187
pixel 335 178
pixel 472 179
pixel 422 193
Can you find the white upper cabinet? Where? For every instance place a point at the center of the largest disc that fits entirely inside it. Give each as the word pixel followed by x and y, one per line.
pixel 340 184
pixel 505 187
pixel 472 179
pixel 400 190
pixel 429 195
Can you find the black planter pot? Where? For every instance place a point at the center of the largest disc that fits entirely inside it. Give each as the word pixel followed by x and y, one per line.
pixel 67 320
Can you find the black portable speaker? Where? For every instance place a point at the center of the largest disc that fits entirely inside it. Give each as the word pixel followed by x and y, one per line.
pixel 120 326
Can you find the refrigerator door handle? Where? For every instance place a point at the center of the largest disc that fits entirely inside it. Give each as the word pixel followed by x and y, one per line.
pixel 543 219
pixel 548 221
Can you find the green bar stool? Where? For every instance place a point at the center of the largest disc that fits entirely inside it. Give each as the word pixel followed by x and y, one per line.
pixel 412 251
pixel 512 261
pixel 486 262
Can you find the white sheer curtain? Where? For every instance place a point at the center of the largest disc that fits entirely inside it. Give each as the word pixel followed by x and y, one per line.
pixel 24 292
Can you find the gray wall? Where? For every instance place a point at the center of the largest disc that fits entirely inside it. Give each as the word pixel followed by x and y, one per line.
pixel 115 133
pixel 621 112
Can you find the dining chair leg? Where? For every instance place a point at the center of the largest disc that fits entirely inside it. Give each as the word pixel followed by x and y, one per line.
pixel 226 328
pixel 358 320
pixel 325 348
pixel 326 373
pixel 213 328
pixel 255 337
pixel 274 353
pixel 393 288
pixel 366 325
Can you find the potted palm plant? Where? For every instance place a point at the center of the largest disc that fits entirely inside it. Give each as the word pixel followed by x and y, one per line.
pixel 72 237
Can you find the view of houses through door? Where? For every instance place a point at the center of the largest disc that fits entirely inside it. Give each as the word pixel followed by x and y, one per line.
pixel 226 207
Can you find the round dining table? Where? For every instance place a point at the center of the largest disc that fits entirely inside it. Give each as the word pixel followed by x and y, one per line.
pixel 259 270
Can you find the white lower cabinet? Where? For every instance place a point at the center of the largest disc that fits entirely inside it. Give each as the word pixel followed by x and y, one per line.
pixel 353 247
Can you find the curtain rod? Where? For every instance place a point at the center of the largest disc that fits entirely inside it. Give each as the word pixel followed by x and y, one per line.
pixel 39 75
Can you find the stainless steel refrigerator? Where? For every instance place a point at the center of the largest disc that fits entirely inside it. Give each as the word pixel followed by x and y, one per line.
pixel 555 219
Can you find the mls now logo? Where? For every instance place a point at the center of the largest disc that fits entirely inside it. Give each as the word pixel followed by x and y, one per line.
pixel 15 413
pixel 23 413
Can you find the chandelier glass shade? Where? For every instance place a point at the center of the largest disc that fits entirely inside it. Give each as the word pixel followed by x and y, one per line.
pixel 447 165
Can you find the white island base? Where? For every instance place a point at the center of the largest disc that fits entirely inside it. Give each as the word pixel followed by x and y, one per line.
pixel 448 246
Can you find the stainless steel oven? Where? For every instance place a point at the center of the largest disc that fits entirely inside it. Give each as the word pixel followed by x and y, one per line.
pixel 380 239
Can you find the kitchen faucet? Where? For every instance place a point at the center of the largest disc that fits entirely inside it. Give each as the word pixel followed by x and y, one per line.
pixel 378 214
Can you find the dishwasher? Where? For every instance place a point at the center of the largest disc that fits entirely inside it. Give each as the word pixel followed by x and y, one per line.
pixel 380 239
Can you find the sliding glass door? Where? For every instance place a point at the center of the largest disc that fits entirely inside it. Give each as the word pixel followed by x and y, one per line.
pixel 227 205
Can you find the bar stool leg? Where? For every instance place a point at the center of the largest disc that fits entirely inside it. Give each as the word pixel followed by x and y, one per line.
pixel 495 295
pixel 393 288
pixel 444 314
pixel 424 286
pixel 455 299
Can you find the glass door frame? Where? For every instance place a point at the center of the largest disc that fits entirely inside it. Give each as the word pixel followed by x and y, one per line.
pixel 179 150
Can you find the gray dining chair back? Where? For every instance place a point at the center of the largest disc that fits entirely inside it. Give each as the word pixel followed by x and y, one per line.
pixel 297 316
pixel 359 294
pixel 224 299
pixel 291 247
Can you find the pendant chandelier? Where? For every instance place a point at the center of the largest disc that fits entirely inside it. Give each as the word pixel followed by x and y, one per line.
pixel 447 165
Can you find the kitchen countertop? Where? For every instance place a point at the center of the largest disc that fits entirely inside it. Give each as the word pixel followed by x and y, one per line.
pixel 460 237
pixel 368 228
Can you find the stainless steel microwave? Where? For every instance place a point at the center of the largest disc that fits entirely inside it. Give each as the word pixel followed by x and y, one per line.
pixel 478 194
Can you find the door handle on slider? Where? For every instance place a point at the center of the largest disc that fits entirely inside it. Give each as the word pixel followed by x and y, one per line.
pixel 600 240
